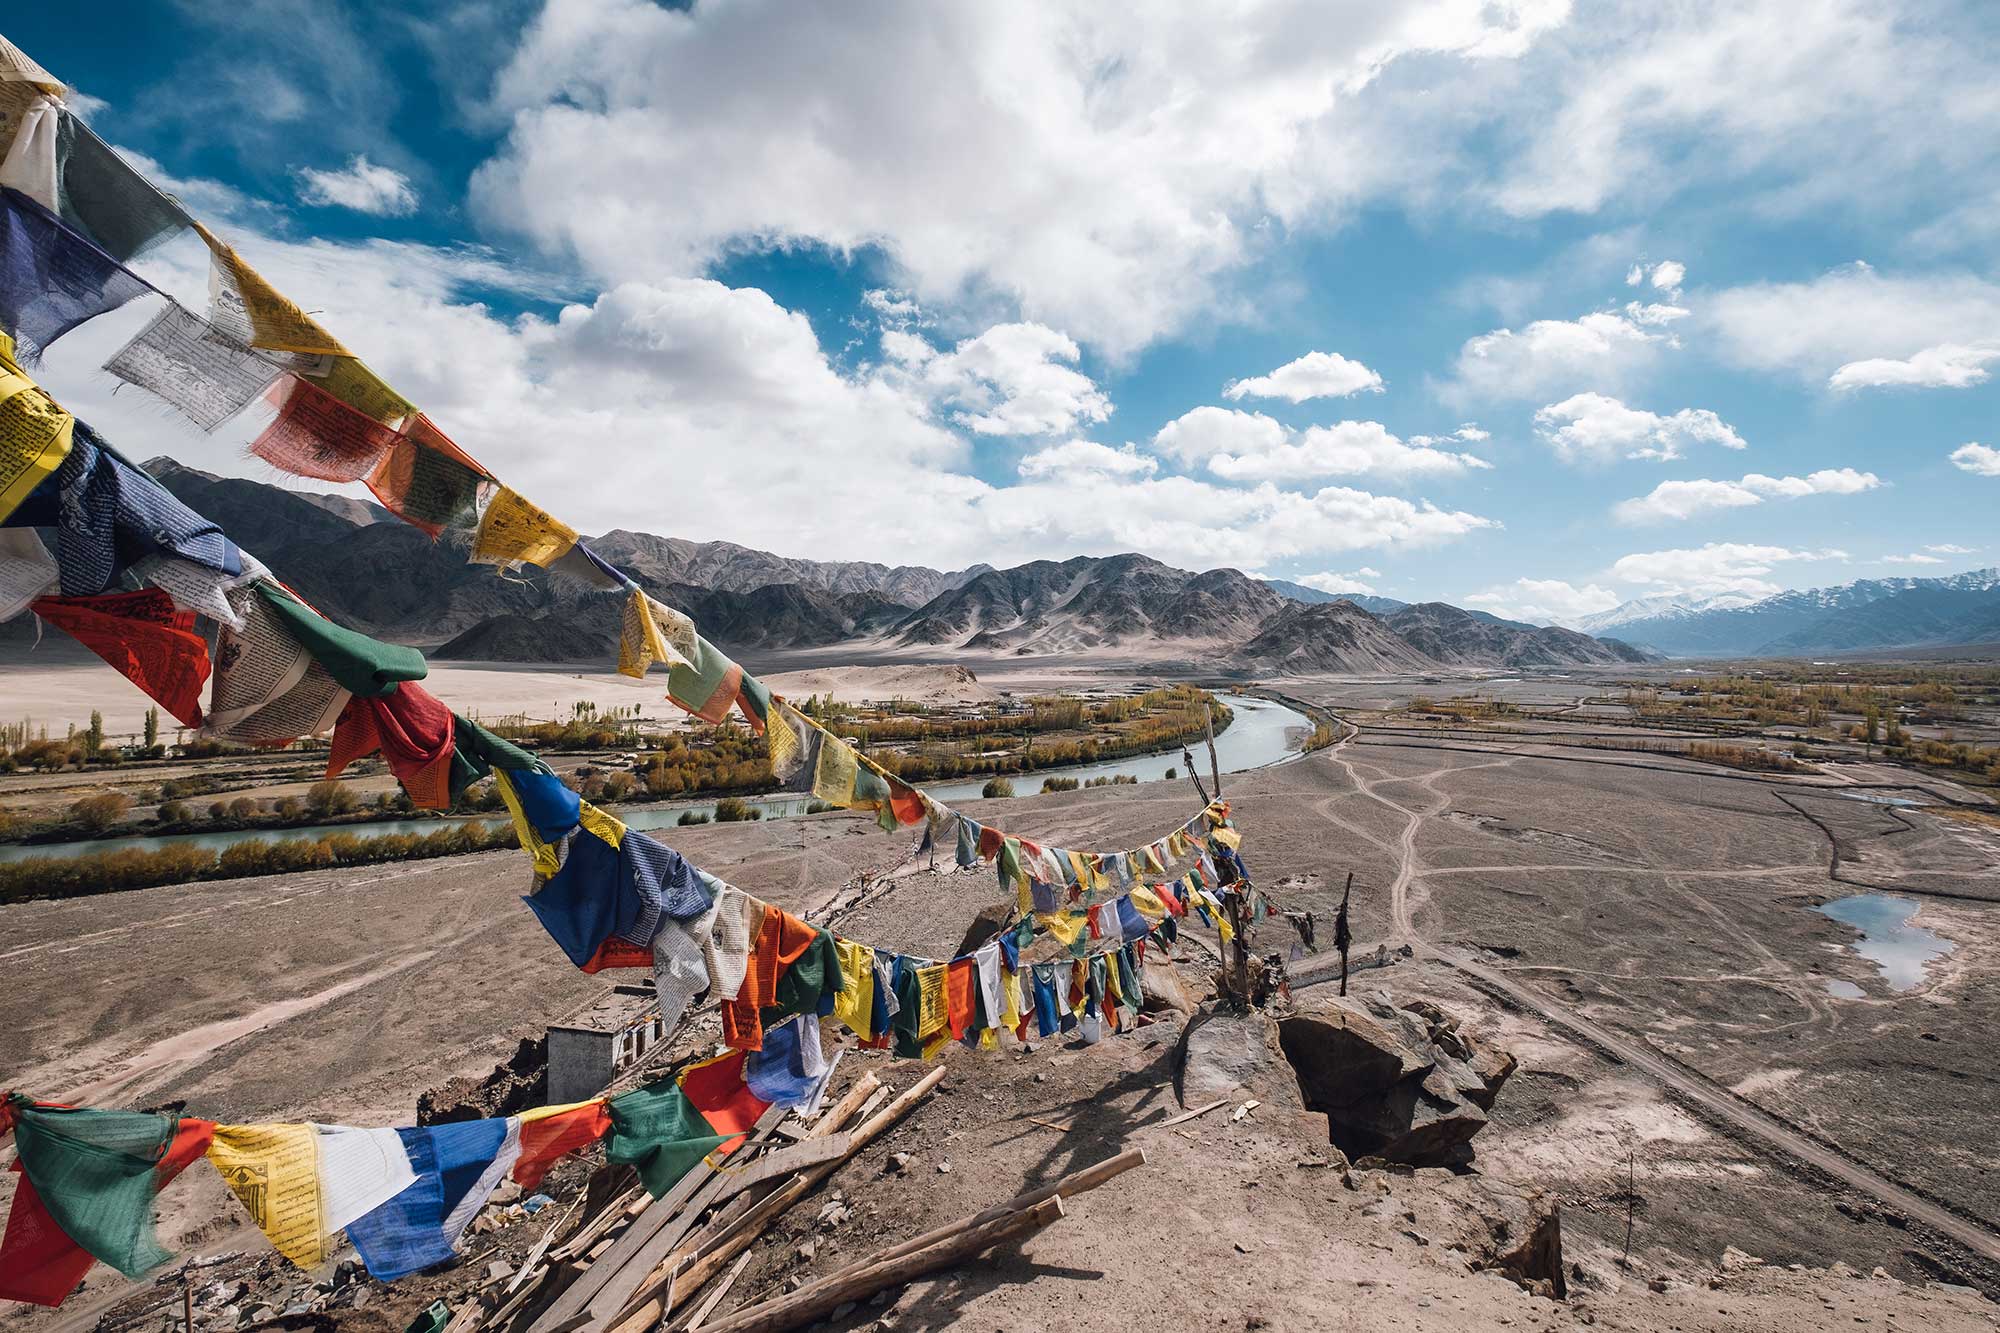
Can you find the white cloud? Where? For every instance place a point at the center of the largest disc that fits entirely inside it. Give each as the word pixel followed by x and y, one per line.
pixel 364 186
pixel 1551 355
pixel 1852 315
pixel 1595 428
pixel 1074 457
pixel 1469 433
pixel 1653 314
pixel 1914 558
pixel 1013 379
pixel 1978 459
pixel 1099 170
pixel 1685 499
pixel 1715 568
pixel 1946 366
pixel 1314 375
pixel 1248 446
pixel 1668 276
pixel 1341 585
pixel 1544 601
pixel 1951 548
pixel 1195 437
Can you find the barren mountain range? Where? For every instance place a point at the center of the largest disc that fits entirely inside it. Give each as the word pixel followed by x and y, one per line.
pixel 391 581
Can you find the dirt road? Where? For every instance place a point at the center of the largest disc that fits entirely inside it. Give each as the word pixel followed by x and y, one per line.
pixel 1705 1092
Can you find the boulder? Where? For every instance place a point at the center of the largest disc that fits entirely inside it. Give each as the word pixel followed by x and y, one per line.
pixel 1237 1055
pixel 1167 989
pixel 1405 1084
pixel 1510 1229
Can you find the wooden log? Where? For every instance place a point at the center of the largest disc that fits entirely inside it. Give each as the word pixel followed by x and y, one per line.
pixel 649 1302
pixel 859 1283
pixel 1077 1182
pixel 784 1161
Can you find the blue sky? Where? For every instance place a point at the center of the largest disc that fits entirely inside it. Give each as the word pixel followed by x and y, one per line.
pixel 1514 304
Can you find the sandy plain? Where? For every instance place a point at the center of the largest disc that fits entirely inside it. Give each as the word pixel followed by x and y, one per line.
pixel 1637 930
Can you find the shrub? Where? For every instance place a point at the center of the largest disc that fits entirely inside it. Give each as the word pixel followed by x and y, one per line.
pixel 1173 773
pixel 243 807
pixel 218 810
pixel 1059 784
pixel 997 787
pixel 619 786
pixel 330 797
pixel 693 817
pixel 734 810
pixel 98 813
pixel 174 812
pixel 287 807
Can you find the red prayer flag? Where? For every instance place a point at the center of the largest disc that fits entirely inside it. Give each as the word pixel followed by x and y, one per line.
pixel 150 641
pixel 717 1090
pixel 317 435
pixel 546 1140
pixel 961 1007
pixel 412 729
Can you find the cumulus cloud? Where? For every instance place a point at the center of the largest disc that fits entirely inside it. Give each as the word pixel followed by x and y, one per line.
pixel 1950 548
pixel 1342 585
pixel 1685 499
pixel 1914 558
pixel 1979 459
pixel 1946 366
pixel 1013 379
pixel 364 186
pixel 1077 457
pixel 1544 601
pixel 1853 323
pixel 1248 446
pixel 1717 567
pixel 1551 355
pixel 1103 171
pixel 1591 427
pixel 1314 375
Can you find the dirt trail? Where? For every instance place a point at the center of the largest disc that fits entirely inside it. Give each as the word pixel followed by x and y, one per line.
pixel 1691 1084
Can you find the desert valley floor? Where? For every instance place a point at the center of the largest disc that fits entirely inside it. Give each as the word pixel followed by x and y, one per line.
pixel 1636 930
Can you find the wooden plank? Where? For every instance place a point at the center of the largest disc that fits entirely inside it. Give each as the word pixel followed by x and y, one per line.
pixel 1189 1115
pixel 859 1283
pixel 782 1161
pixel 637 1236
pixel 714 1298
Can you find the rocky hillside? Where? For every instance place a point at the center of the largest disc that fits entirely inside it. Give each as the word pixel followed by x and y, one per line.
pixel 390 580
pixel 1451 636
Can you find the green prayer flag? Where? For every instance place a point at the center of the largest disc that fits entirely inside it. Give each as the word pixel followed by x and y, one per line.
pixel 358 664
pixel 476 752
pixel 657 1130
pixel 96 1173
pixel 816 975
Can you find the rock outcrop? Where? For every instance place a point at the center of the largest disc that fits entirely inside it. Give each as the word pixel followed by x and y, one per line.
pixel 1225 1054
pixel 1402 1083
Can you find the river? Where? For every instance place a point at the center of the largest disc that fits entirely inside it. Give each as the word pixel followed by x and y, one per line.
pixel 1263 733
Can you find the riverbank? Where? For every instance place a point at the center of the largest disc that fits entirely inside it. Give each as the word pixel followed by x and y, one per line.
pixel 1262 733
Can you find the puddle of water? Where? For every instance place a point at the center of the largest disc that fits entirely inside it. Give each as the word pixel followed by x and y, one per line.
pixel 1873 799
pixel 1888 939
pixel 1844 990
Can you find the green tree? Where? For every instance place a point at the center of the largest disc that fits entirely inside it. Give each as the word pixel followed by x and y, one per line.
pixel 93 740
pixel 152 727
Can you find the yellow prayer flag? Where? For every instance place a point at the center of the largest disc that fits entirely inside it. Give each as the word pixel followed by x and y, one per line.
pixel 1114 994
pixel 543 1112
pixel 653 633
pixel 350 380
pixel 1229 838
pixel 545 856
pixel 273 1170
pixel 1065 926
pixel 785 733
pixel 34 432
pixel 933 1012
pixel 242 296
pixel 1010 998
pixel 608 827
pixel 1148 902
pixel 855 1005
pixel 1176 844
pixel 989 1039
pixel 514 529
pixel 838 770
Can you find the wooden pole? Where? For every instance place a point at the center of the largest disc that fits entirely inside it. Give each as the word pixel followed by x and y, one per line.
pixel 649 1301
pixel 1214 768
pixel 1078 1182
pixel 859 1283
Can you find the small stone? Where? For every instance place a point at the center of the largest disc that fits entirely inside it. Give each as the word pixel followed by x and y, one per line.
pixel 1658 1284
pixel 362 1297
pixel 1241 1248
pixel 806 1251
pixel 898 1163
pixel 842 1310
pixel 944 1168
pixel 498 1269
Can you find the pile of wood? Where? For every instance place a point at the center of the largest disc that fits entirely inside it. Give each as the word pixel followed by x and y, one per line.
pixel 637 1264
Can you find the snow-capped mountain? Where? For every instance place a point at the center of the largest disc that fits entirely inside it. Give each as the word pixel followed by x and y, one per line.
pixel 1888 613
pixel 1666 606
